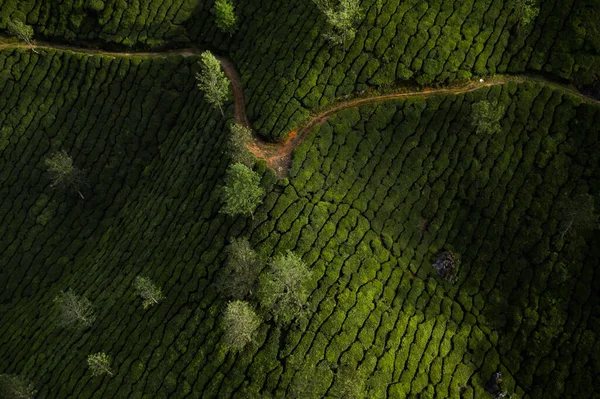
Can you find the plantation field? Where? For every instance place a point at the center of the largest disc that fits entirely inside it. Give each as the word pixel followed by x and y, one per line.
pixel 387 169
pixel 288 68
pixel 372 195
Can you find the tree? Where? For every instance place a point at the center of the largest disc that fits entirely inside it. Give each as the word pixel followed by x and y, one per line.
pixel 342 19
pixel 242 192
pixel 283 288
pixel 212 81
pixel 225 14
pixel 74 311
pixel 237 145
pixel 241 269
pixel 22 31
pixel 240 323
pixel 446 264
pixel 99 363
pixel 577 214
pixel 63 173
pixel 15 387
pixel 148 291
pixel 525 11
pixel 486 116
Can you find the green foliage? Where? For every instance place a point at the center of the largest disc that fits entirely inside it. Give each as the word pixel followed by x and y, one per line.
pixel 350 384
pixel 242 192
pixel 526 11
pixel 343 16
pixel 16 387
pixel 486 116
pixel 240 323
pixel 74 310
pixel 225 15
pixel 283 287
pixel 21 30
pixel 242 267
pixel 99 364
pixel 212 80
pixel 64 175
pixel 577 214
pixel 150 293
pixel 240 137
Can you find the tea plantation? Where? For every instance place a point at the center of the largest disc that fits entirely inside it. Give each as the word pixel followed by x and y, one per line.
pixel 373 193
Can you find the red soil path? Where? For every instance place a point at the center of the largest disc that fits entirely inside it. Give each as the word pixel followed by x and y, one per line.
pixel 279 155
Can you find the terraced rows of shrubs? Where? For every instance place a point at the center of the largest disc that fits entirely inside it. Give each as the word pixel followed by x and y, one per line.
pixel 293 69
pixel 288 68
pixel 373 195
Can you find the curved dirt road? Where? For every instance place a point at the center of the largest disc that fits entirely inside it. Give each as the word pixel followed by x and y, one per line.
pixel 279 155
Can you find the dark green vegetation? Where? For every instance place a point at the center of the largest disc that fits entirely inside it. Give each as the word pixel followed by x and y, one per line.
pixel 373 196
pixel 288 67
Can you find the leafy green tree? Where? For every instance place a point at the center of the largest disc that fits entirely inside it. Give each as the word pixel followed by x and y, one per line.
pixel 74 311
pixel 225 14
pixel 15 387
pixel 486 117
pixel 237 145
pixel 22 31
pixel 577 214
pixel 64 175
pixel 241 269
pixel 342 17
pixel 99 364
pixel 242 192
pixel 212 81
pixel 283 287
pixel 240 323
pixel 525 11
pixel 150 293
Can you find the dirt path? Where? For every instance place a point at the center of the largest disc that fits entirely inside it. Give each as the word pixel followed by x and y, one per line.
pixel 279 155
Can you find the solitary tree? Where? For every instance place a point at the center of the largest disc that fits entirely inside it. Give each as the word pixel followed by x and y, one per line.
pixel 22 31
pixel 99 363
pixel 242 192
pixel 237 145
pixel 240 323
pixel 283 288
pixel 577 214
pixel 225 14
pixel 74 311
pixel 63 173
pixel 486 117
pixel 150 293
pixel 342 18
pixel 212 81
pixel 525 11
pixel 241 269
pixel 15 387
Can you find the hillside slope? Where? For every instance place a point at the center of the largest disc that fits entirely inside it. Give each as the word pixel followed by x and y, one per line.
pixel 373 194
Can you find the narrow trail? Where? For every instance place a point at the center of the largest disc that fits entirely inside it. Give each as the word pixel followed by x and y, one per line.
pixel 278 155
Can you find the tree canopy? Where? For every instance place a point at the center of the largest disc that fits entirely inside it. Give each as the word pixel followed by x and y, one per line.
pixel 240 323
pixel 212 81
pixel 237 145
pixel 283 287
pixel 486 116
pixel 342 17
pixel 242 192
pixel 64 174
pixel 241 269
pixel 74 310
pixel 226 19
